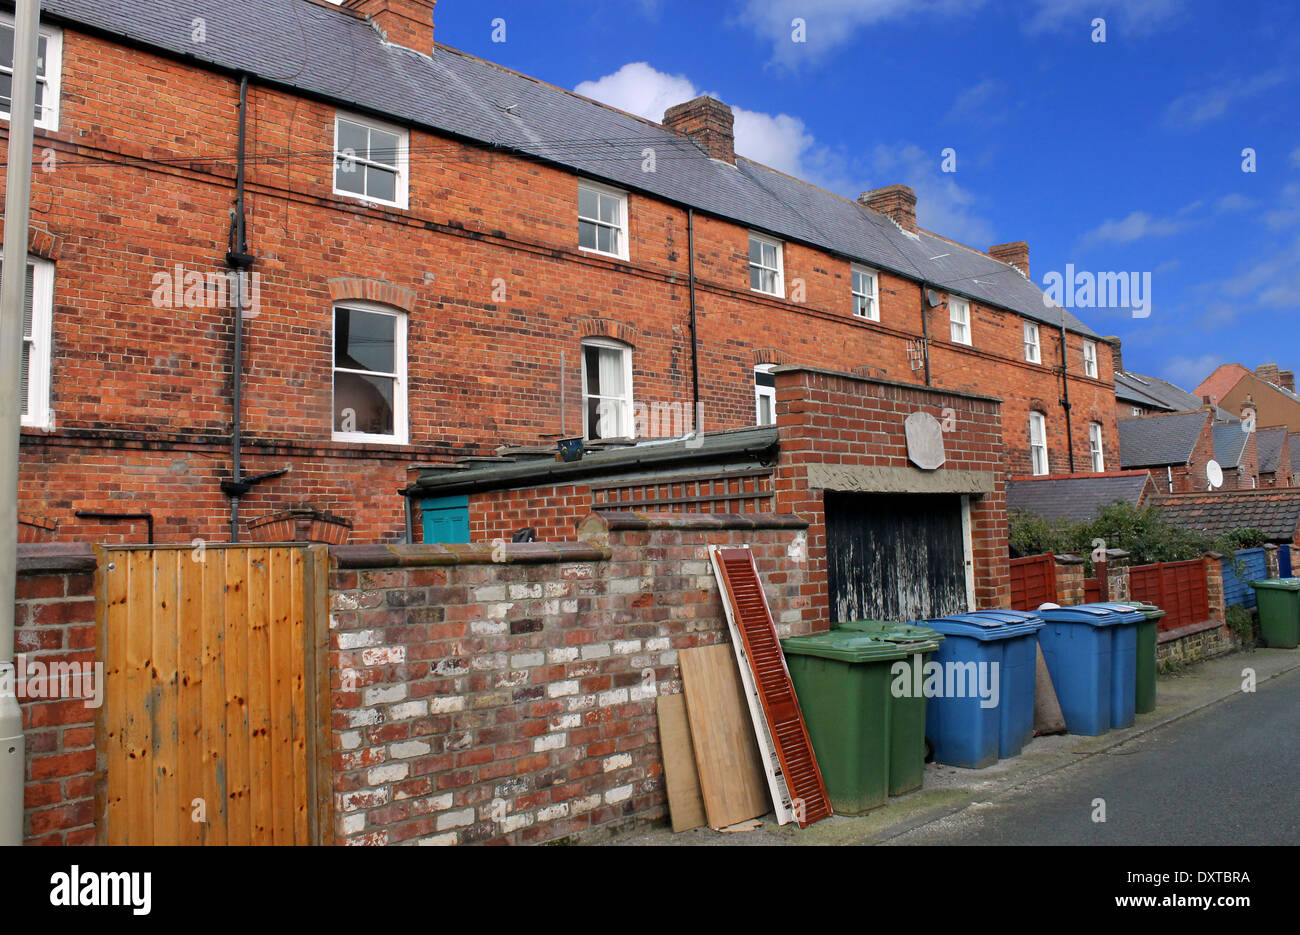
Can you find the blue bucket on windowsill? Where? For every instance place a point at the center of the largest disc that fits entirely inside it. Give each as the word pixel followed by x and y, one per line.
pixel 571 449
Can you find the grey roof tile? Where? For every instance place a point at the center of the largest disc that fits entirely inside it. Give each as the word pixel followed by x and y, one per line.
pixel 335 55
pixel 1073 498
pixel 1268 444
pixel 1154 441
pixel 1230 444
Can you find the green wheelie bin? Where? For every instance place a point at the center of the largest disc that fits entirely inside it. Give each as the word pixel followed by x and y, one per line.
pixel 907 713
pixel 1279 611
pixel 843 682
pixel 1147 634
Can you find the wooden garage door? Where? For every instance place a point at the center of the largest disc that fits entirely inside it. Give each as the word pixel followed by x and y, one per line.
pixel 894 556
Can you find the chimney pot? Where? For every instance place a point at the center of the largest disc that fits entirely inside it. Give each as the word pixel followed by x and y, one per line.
pixel 408 23
pixel 894 201
pixel 708 122
pixel 1017 254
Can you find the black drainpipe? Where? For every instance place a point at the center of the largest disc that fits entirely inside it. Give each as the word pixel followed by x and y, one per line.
pixel 925 327
pixel 695 355
pixel 1065 401
pixel 238 259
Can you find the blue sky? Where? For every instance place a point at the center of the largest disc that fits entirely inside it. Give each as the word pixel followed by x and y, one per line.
pixel 1125 155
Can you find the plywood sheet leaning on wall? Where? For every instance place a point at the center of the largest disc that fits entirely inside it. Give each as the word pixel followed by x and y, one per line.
pixel 726 752
pixel 681 778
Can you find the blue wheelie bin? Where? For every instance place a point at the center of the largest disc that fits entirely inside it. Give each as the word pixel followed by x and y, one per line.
pixel 1123 667
pixel 965 728
pixel 1091 653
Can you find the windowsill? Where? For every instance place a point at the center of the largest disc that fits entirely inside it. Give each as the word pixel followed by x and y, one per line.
pixel 592 251
pixel 354 198
pixel 780 296
pixel 357 439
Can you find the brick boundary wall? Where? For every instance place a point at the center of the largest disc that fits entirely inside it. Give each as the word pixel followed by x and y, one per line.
pixel 513 701
pixel 55 623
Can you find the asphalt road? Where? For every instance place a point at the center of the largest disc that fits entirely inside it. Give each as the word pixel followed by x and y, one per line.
pixel 1229 774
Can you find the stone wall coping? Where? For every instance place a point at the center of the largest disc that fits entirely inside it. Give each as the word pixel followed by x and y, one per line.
pixel 475 553
pixel 43 558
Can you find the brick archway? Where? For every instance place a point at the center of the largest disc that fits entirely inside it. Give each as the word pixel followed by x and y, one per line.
pixel 606 328
pixel 372 290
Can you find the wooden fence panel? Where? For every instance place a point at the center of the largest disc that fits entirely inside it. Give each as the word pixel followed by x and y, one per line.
pixel 1179 588
pixel 1033 581
pixel 216 695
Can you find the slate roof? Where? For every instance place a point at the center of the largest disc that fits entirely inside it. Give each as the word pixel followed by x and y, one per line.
pixel 332 54
pixel 1155 441
pixel 1268 444
pixel 1230 445
pixel 1155 393
pixel 1276 514
pixel 1074 498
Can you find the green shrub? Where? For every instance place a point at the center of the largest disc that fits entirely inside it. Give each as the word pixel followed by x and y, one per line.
pixel 1242 624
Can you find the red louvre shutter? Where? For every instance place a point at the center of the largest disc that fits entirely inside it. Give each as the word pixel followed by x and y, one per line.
pixel 753 619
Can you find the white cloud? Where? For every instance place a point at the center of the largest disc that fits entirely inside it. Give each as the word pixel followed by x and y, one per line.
pixel 1270 282
pixel 1295 158
pixel 1205 105
pixel 1139 17
pixel 1137 226
pixel 1190 371
pixel 829 24
pixel 984 104
pixel 1286 211
pixel 784 143
pixel 1233 202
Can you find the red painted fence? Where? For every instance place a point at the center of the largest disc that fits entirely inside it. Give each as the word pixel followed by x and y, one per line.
pixel 1033 581
pixel 1178 588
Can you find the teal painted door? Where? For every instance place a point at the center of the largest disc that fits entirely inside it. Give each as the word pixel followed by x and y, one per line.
pixel 446 519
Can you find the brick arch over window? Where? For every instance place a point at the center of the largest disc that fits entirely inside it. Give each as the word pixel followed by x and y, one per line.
pixel 1037 405
pixel 769 355
pixel 605 328
pixel 44 244
pixel 32 528
pixel 372 290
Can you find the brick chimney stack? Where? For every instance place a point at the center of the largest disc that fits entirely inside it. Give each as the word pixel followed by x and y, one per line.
pixel 1017 254
pixel 1287 378
pixel 1268 372
pixel 408 23
pixel 1249 411
pixel 897 202
pixel 1116 346
pixel 708 122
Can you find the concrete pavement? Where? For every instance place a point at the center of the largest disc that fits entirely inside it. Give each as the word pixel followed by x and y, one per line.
pixel 1049 789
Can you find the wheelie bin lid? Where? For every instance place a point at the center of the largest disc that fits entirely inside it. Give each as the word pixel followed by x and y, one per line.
pixel 1126 609
pixel 1151 610
pixel 891 631
pixel 1280 584
pixel 1095 615
pixel 988 624
pixel 848 646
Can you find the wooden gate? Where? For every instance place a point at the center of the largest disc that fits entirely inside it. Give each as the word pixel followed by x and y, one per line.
pixel 1033 582
pixel 215 719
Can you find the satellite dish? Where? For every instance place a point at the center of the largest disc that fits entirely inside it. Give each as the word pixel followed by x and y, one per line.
pixel 932 298
pixel 1215 474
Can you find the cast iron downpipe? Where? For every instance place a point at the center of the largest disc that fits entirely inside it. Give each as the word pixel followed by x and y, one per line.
pixel 239 260
pixel 695 354
pixel 1065 401
pixel 925 327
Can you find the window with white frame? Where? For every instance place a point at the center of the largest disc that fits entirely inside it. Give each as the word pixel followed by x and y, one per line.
pixel 602 220
pixel 959 317
pixel 1094 446
pixel 766 270
pixel 34 366
pixel 1033 350
pixel 865 295
pixel 1137 410
pixel 764 395
pixel 49 55
pixel 370 160
pixel 369 373
pixel 607 389
pixel 1038 443
pixel 1090 358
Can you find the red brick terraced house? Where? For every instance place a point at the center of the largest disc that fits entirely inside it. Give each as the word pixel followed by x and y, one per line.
pixel 439 268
